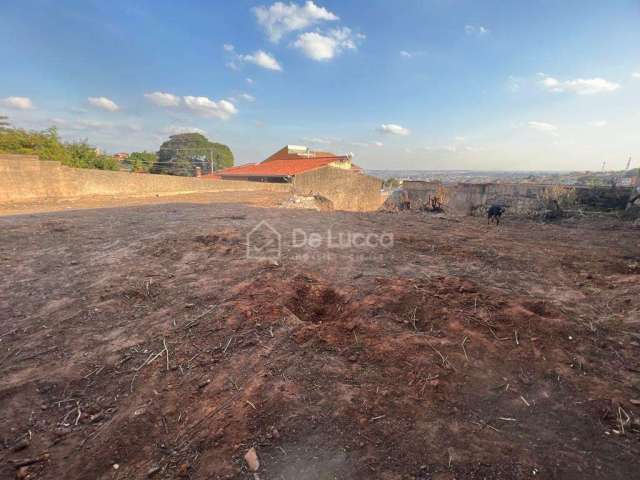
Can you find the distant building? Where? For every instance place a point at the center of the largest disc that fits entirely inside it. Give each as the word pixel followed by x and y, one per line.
pixel 121 156
pixel 309 172
pixel 285 164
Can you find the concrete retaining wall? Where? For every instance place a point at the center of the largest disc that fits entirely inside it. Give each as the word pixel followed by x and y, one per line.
pixel 25 177
pixel 347 190
pixel 521 198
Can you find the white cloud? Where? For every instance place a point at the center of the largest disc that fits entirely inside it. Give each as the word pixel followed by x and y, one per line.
pixel 544 127
pixel 246 97
pixel 104 103
pixel 407 54
pixel 478 30
pixel 228 47
pixel 176 130
pixel 580 86
pixel 280 18
pixel 514 84
pixel 262 59
pixel 318 140
pixel 222 109
pixel 394 129
pixel 598 123
pixel 551 84
pixel 324 47
pixel 635 74
pixel 91 125
pixel 17 103
pixel 378 144
pixel 590 86
pixel 250 81
pixel 163 99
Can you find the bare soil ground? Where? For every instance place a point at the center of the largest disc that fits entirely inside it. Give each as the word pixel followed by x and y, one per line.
pixel 139 342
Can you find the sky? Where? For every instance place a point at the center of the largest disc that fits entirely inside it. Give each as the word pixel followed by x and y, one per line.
pixel 411 84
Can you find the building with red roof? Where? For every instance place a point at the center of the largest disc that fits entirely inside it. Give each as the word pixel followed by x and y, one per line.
pixel 285 164
pixel 311 173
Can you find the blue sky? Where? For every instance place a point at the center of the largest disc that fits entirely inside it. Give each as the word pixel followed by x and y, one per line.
pixel 430 84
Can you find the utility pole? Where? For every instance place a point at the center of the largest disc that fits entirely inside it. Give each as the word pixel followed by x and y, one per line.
pixel 628 163
pixel 211 157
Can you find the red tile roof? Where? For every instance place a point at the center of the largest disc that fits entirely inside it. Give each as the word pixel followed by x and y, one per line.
pixel 279 168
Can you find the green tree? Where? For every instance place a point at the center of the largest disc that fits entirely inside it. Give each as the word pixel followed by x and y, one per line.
pixel 182 153
pixel 45 144
pixel 48 146
pixel 84 155
pixel 142 161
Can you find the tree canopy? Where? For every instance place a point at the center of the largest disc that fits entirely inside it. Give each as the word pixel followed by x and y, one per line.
pixel 183 152
pixel 48 146
pixel 141 161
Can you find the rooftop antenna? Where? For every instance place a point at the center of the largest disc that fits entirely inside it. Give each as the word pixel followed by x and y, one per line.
pixel 604 162
pixel 628 163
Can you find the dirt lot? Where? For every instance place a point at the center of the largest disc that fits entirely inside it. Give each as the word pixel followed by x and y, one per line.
pixel 139 342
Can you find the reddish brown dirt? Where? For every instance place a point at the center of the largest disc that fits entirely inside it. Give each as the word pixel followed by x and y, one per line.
pixel 141 337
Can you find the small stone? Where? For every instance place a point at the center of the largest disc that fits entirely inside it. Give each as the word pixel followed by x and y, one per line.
pixel 22 473
pixel 353 358
pixel 251 457
pixel 116 466
pixel 275 433
pixel 152 471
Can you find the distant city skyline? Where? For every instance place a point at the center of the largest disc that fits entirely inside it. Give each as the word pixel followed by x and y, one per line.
pixel 412 85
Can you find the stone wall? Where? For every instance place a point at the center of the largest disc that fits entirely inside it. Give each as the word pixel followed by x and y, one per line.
pixel 25 178
pixel 520 198
pixel 347 190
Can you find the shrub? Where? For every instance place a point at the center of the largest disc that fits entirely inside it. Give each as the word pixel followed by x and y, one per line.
pixel 141 161
pixel 48 146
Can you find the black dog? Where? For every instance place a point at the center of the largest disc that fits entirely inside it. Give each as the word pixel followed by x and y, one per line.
pixel 494 213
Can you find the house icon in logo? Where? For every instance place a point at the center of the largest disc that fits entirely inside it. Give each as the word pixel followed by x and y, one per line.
pixel 264 242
